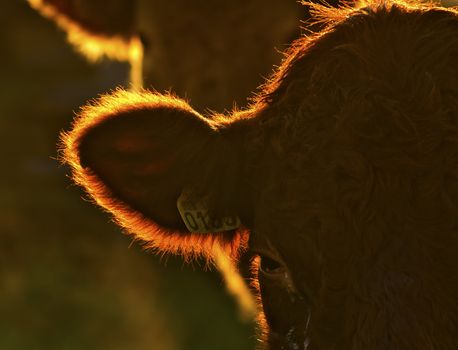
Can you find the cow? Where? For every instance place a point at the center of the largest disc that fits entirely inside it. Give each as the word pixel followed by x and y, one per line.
pixel 232 44
pixel 339 180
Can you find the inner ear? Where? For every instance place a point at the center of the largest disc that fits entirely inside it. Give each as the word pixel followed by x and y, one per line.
pixel 137 153
pixel 148 159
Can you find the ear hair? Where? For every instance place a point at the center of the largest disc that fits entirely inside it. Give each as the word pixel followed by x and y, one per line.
pixel 153 236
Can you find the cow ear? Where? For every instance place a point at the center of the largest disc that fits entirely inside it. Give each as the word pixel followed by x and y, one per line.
pixel 94 27
pixel 137 153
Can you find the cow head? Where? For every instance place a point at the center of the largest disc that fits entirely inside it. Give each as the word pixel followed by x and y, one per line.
pixel 343 173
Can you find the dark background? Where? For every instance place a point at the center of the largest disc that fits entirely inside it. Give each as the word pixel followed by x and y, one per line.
pixel 69 279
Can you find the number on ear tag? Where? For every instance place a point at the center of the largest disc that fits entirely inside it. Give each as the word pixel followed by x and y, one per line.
pixel 195 217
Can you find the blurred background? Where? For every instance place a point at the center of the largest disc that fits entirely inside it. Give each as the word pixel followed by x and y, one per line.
pixel 69 279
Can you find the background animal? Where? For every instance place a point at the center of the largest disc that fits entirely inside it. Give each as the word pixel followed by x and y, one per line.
pixel 342 173
pixel 214 53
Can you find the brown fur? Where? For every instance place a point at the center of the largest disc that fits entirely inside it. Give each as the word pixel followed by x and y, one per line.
pixel 128 205
pixel 344 168
pixel 365 127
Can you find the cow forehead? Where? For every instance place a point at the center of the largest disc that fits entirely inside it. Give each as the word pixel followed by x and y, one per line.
pixel 360 132
pixel 351 183
pixel 372 73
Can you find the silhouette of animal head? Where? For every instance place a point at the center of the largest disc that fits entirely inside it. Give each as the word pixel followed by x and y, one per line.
pixel 340 180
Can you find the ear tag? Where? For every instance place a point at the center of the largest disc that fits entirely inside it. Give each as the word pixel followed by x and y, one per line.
pixel 195 216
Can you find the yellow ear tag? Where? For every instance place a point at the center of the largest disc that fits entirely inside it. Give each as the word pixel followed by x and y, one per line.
pixel 195 217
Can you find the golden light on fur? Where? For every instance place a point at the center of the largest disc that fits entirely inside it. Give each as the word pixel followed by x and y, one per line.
pixel 328 15
pixel 151 235
pixel 136 63
pixel 95 46
pixel 235 284
pixel 381 187
pixel 262 327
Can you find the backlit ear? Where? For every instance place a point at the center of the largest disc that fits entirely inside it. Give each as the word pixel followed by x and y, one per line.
pixel 95 28
pixel 137 153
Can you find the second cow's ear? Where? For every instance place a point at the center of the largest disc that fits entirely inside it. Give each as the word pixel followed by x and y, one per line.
pixel 98 17
pixel 95 28
pixel 139 154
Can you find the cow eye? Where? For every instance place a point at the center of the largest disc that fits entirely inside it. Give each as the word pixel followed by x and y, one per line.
pixel 269 266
